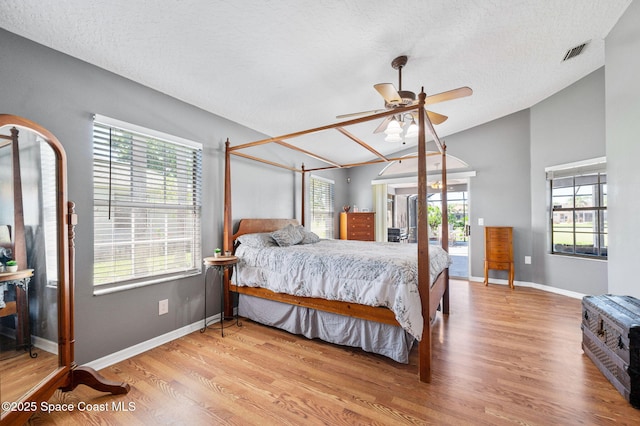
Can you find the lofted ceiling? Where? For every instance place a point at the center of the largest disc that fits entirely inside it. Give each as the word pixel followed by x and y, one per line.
pixel 282 66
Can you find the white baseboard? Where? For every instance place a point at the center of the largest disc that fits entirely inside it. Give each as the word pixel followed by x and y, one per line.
pixel 38 342
pixel 116 357
pixel 542 287
pixel 44 344
pixel 134 350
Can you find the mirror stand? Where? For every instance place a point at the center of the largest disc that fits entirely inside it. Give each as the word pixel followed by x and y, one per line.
pixel 84 375
pixel 39 236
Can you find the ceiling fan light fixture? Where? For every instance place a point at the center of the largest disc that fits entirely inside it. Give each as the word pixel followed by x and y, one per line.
pixel 393 128
pixel 393 137
pixel 412 130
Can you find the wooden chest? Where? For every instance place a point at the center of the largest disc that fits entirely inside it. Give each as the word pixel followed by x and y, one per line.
pixel 611 339
pixel 357 226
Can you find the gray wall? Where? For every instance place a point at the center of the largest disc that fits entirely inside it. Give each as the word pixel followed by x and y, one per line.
pixel 510 189
pixel 622 64
pixel 566 127
pixel 499 153
pixel 61 93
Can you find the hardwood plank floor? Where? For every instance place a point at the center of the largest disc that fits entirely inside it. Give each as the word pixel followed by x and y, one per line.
pixel 501 357
pixel 20 373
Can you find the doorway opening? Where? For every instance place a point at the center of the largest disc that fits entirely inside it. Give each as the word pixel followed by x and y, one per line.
pixel 402 215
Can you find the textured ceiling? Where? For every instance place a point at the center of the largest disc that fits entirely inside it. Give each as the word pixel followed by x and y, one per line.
pixel 283 66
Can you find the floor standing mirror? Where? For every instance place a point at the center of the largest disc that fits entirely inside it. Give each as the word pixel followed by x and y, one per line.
pixel 37 256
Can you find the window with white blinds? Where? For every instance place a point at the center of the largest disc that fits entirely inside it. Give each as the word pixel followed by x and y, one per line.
pixel 322 212
pixel 146 208
pixel 49 211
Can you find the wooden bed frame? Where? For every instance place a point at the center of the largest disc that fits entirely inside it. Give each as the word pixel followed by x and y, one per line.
pixel 430 295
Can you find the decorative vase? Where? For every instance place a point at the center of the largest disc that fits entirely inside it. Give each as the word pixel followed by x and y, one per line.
pixel 11 268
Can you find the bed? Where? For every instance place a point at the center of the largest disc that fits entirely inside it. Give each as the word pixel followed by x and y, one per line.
pixel 376 277
pixel 339 313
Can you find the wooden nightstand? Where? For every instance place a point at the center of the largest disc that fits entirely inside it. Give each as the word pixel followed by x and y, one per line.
pixel 498 251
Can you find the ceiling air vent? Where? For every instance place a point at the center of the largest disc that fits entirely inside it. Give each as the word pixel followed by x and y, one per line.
pixel 574 51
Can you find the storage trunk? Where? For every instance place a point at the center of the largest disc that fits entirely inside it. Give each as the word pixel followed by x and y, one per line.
pixel 611 339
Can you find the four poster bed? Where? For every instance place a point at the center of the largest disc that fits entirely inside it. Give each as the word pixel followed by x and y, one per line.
pixel 337 314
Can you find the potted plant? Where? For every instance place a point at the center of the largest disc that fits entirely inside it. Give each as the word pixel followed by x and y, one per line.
pixel 12 266
pixel 217 253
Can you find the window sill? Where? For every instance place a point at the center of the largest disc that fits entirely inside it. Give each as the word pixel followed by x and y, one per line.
pixel 114 288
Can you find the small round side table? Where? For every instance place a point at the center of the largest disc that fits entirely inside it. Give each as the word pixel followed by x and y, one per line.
pixel 220 264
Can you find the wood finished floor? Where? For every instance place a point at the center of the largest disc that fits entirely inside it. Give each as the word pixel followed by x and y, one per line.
pixel 19 373
pixel 501 357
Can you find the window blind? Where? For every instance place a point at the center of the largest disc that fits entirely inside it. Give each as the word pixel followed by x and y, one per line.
pixel 322 209
pixel 147 206
pixel 49 211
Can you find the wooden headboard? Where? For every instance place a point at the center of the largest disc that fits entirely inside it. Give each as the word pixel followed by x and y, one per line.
pixel 253 226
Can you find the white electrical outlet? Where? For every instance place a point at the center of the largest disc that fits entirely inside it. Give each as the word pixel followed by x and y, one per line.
pixel 163 307
pixel 527 260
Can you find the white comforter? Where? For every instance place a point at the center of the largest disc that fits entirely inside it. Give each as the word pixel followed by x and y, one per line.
pixel 374 274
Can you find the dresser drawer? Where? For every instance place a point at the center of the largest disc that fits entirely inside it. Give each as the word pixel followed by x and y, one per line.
pixel 499 265
pixel 360 235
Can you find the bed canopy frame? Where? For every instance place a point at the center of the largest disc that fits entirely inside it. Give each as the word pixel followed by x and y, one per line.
pixel 424 123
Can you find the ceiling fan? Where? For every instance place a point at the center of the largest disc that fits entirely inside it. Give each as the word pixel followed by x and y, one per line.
pixel 400 98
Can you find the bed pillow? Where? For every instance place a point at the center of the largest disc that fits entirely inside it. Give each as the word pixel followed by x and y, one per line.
pixel 258 240
pixel 308 237
pixel 288 236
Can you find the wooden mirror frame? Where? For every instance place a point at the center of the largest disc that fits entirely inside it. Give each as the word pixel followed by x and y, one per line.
pixel 68 375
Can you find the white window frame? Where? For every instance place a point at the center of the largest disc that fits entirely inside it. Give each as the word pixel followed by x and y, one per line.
pixel 323 227
pixel 166 204
pixel 575 171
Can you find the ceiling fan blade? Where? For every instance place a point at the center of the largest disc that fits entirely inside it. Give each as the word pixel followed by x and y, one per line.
pixel 388 92
pixel 383 125
pixel 436 118
pixel 355 114
pixel 460 92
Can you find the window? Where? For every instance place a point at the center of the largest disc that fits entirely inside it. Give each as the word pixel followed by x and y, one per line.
pixel 321 195
pixel 579 209
pixel 146 208
pixel 49 211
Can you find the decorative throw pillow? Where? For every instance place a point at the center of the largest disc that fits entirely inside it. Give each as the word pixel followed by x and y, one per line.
pixel 258 240
pixel 287 236
pixel 308 237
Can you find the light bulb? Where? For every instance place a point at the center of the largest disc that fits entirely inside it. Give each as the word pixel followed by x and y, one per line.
pixel 393 128
pixel 412 131
pixel 393 137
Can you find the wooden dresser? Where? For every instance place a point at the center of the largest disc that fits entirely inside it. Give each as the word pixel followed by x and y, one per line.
pixel 498 251
pixel 357 226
